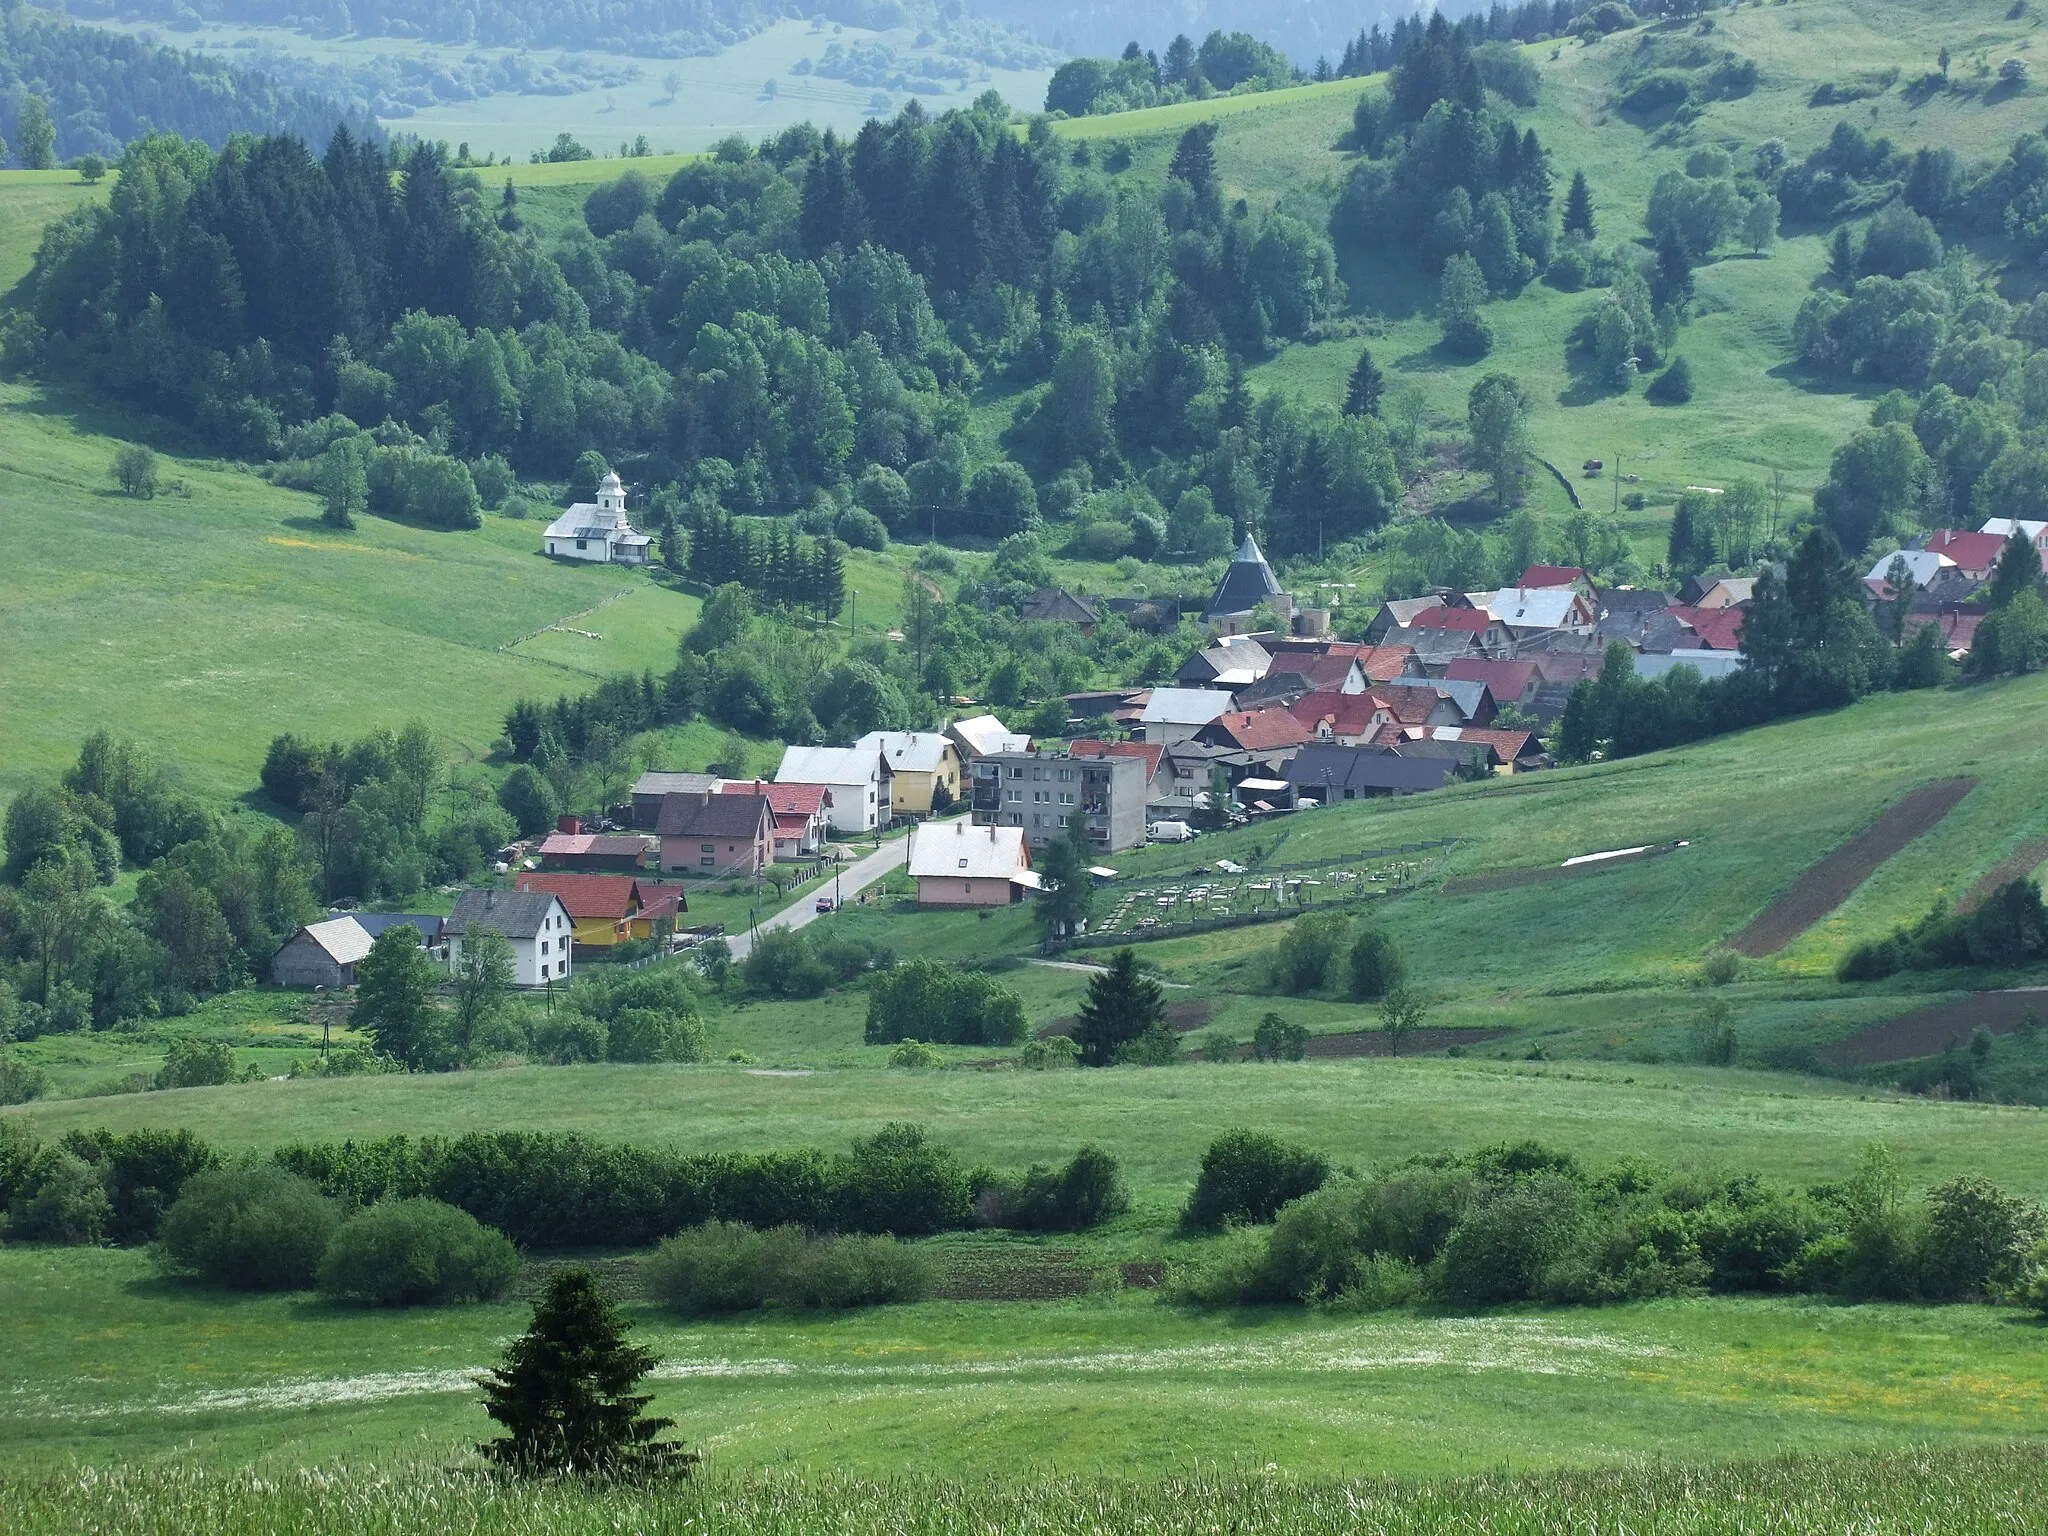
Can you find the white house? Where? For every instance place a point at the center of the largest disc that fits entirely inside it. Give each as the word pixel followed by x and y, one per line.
pixel 858 778
pixel 957 865
pixel 601 532
pixel 534 923
pixel 1175 714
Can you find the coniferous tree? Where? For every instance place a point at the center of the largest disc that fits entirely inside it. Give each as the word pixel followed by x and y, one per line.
pixel 1066 890
pixel 1194 162
pixel 508 210
pixel 1578 208
pixel 2018 570
pixel 1121 1005
pixel 1688 548
pixel 565 1392
pixel 828 578
pixel 1368 385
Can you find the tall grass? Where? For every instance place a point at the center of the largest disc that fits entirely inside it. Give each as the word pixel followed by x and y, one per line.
pixel 1993 1488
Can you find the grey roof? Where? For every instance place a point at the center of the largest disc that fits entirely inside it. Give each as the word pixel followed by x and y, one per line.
pixel 908 751
pixel 515 914
pixel 1363 768
pixel 1618 600
pixel 1058 605
pixel 1248 583
pixel 1440 644
pixel 1184 706
pixel 1246 657
pixel 830 765
pixel 1467 696
pixel 676 784
pixel 959 851
pixel 342 939
pixel 375 923
pixel 1658 631
pixel 713 815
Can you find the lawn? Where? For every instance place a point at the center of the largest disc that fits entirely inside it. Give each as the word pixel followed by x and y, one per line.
pixel 107 1363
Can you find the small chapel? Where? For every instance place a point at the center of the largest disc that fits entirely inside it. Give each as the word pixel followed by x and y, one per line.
pixel 599 531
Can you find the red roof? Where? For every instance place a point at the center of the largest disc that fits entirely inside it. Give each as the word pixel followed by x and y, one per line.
pixel 1150 752
pixel 1262 729
pixel 663 902
pixel 1349 714
pixel 1551 576
pixel 1410 704
pixel 1384 663
pixel 1718 629
pixel 1509 744
pixel 1507 680
pixel 1971 551
pixel 1567 666
pixel 1472 621
pixel 1318 671
pixel 616 897
pixel 805 800
pixel 1958 630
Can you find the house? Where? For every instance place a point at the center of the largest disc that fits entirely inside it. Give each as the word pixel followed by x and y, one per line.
pixel 1261 731
pixel 2037 533
pixel 855 776
pixel 1231 663
pixel 802 815
pixel 1713 629
pixel 589 853
pixel 606 910
pixel 1346 718
pixel 652 787
pixel 1662 630
pixel 1473 757
pixel 1614 602
pixel 1247 583
pixel 1478 627
pixel 1151 754
pixel 375 924
pixel 959 865
pixel 1717 591
pixel 982 735
pixel 1516 751
pixel 716 836
pixel 534 923
pixel 1400 614
pixel 1150 615
pixel 1435 647
pixel 924 767
pixel 1333 773
pixel 322 955
pixel 1056 605
pixel 1957 626
pixel 1974 554
pixel 1510 682
pixel 598 532
pixel 1923 565
pixel 1041 793
pixel 1329 673
pixel 1181 786
pixel 1525 611
pixel 1176 714
pixel 1557 576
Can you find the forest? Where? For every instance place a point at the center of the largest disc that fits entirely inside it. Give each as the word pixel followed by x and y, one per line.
pixel 101 91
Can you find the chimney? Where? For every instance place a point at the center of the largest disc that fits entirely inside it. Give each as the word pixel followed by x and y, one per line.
pixel 572 825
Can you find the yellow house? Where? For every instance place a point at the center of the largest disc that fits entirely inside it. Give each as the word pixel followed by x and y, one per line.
pixel 607 910
pixel 922 763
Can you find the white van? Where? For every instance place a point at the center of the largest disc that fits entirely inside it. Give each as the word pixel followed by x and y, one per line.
pixel 1170 832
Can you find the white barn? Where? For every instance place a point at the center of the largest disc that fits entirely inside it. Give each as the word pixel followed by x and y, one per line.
pixel 599 533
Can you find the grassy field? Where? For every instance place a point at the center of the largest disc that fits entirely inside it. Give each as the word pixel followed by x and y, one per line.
pixel 107 1362
pixel 722 94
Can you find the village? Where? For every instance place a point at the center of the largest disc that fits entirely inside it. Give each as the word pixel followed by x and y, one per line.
pixel 1271 717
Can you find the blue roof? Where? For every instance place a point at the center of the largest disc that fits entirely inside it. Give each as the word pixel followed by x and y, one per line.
pixel 374 923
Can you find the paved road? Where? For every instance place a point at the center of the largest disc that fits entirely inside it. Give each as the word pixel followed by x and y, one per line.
pixel 853 879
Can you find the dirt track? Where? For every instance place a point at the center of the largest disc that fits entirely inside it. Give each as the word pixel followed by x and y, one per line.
pixel 2025 859
pixel 1829 883
pixel 1182 1017
pixel 1929 1031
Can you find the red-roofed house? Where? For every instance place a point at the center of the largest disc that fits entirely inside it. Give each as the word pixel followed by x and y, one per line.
pixel 1556 576
pixel 1975 554
pixel 1418 704
pixel 1323 674
pixel 1348 719
pixel 1476 622
pixel 1384 663
pixel 1718 629
pixel 586 853
pixel 607 910
pixel 802 814
pixel 1263 730
pixel 1510 682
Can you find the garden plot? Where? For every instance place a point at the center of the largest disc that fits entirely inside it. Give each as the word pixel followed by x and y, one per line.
pixel 1176 906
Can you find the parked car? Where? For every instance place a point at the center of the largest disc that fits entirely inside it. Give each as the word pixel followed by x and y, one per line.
pixel 825 904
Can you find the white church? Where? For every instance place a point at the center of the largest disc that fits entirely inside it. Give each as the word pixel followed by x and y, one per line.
pixel 599 532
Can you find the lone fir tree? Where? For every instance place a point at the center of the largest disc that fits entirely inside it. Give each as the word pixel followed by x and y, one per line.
pixel 1122 1005
pixel 1578 208
pixel 565 1392
pixel 1368 385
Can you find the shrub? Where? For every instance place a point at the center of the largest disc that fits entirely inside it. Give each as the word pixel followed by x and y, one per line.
pixel 1301 961
pixel 783 963
pixel 860 529
pixel 1376 966
pixel 898 1182
pixel 196 1064
pixel 1505 1240
pixel 1087 1192
pixel 915 1053
pixel 66 1203
pixel 1976 1241
pixel 925 1000
pixel 1158 1046
pixel 252 1226
pixel 144 1171
pixel 722 1267
pixel 1751 1240
pixel 567 1037
pixel 1049 1053
pixel 1274 1039
pixel 135 472
pixel 21 1080
pixel 402 1253
pixel 642 1034
pixel 1721 967
pixel 1248 1176
pixel 1673 386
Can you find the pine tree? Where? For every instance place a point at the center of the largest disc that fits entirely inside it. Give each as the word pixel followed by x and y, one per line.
pixel 2018 570
pixel 508 210
pixel 1578 208
pixel 827 584
pixel 1121 1006
pixel 1368 384
pixel 1237 397
pixel 1688 548
pixel 1194 162
pixel 565 1392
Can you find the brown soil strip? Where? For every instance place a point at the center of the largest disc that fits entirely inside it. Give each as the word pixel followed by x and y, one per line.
pixel 1929 1031
pixel 1835 878
pixel 1183 1017
pixel 1509 879
pixel 1011 1274
pixel 2025 859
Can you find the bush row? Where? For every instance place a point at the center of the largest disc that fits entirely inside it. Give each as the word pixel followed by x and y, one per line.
pixel 2009 929
pixel 1527 1223
pixel 563 1191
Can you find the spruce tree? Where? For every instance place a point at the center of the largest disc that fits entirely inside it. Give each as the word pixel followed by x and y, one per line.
pixel 1194 162
pixel 1368 384
pixel 1578 208
pixel 1121 1006
pixel 2018 570
pixel 565 1392
pixel 828 578
pixel 1683 554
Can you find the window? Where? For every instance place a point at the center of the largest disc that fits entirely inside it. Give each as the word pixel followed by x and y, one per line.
pixel 1066 797
pixel 1016 794
pixel 583 543
pixel 543 946
pixel 565 968
pixel 707 847
pixel 963 863
pixel 1016 773
pixel 1066 775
